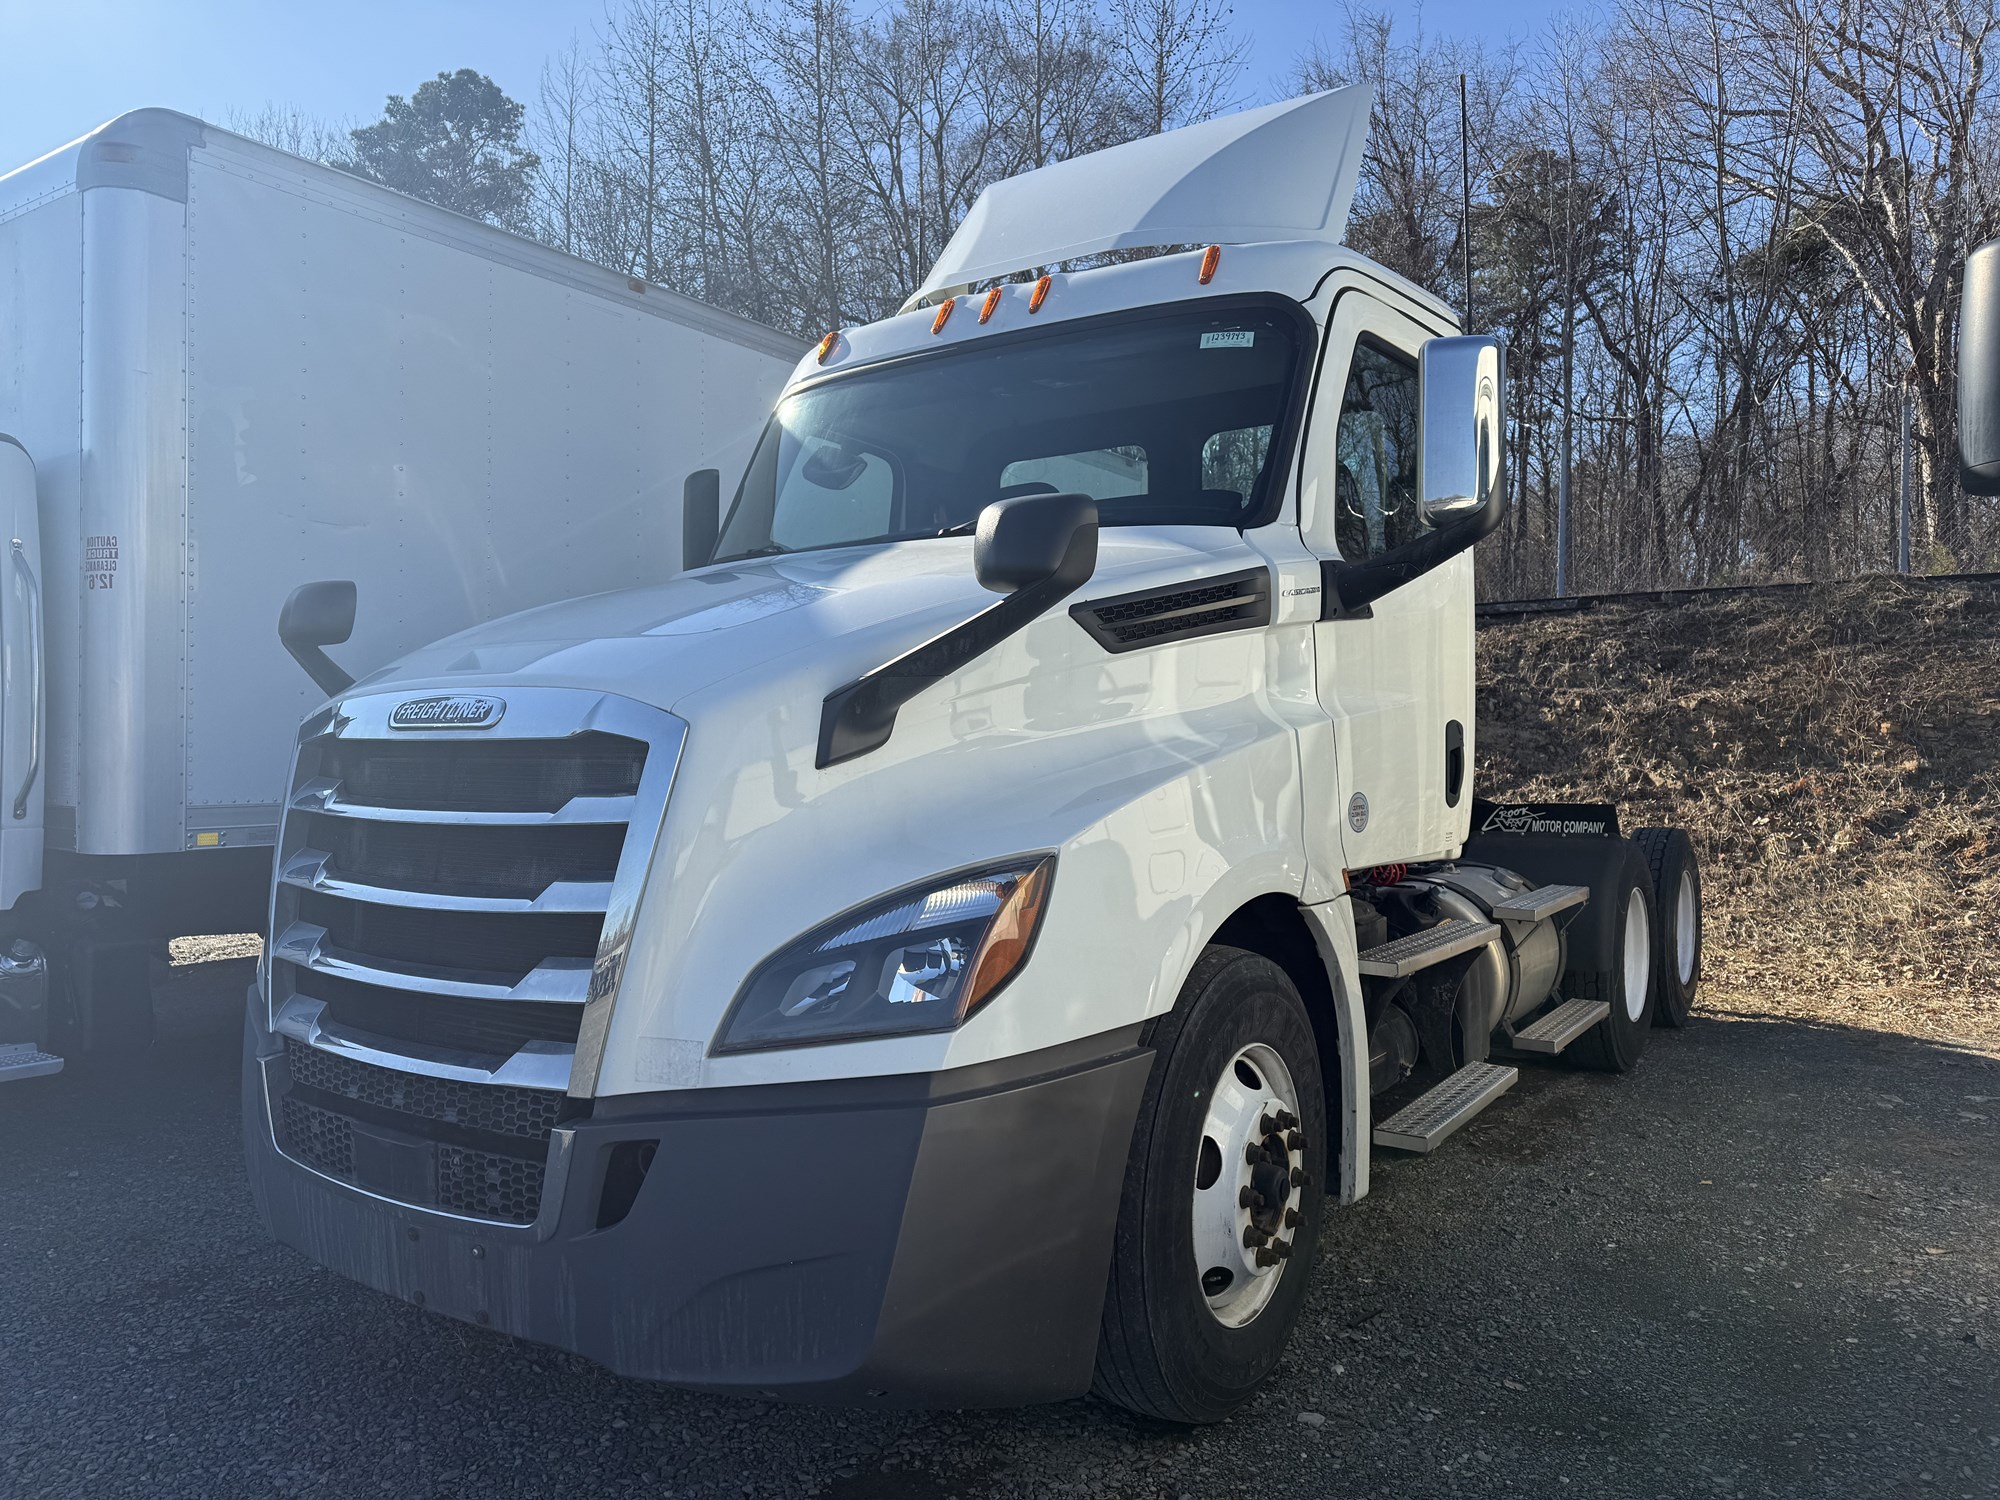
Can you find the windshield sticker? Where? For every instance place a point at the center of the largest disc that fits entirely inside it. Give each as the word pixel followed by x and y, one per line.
pixel 1235 338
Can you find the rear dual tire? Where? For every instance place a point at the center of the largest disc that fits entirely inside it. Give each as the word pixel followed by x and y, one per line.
pixel 1677 923
pixel 1614 1045
pixel 1191 1324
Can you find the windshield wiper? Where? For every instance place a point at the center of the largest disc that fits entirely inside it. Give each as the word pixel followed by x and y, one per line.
pixel 963 528
pixel 769 549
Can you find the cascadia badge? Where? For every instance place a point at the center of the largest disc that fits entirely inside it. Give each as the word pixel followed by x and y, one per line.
pixel 451 711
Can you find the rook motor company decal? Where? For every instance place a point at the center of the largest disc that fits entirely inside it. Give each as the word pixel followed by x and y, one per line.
pixel 1560 819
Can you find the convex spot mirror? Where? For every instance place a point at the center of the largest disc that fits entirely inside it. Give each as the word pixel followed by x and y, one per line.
pixel 1463 401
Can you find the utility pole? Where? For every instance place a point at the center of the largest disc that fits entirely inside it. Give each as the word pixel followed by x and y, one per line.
pixel 1903 490
pixel 1569 381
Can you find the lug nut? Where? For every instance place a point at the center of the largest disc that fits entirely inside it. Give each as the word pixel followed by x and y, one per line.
pixel 1246 1196
pixel 1267 1257
pixel 1291 1218
pixel 1270 1125
pixel 1253 1237
pixel 1254 1156
pixel 1295 1141
pixel 1282 1249
pixel 1301 1177
pixel 1286 1119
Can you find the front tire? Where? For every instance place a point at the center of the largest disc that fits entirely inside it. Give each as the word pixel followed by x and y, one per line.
pixel 1201 1300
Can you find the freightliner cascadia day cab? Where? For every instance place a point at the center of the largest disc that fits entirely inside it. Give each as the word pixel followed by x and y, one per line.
pixel 225 371
pixel 957 944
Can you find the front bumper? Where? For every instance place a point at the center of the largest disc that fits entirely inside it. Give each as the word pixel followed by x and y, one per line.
pixel 933 1241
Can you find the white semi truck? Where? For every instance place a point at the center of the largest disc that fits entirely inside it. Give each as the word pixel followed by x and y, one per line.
pixel 955 943
pixel 223 371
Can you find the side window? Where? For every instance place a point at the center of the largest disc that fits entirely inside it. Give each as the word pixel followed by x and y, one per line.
pixel 1375 478
pixel 1232 460
pixel 832 494
pixel 1101 473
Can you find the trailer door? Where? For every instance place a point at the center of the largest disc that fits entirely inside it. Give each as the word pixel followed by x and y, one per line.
pixel 23 684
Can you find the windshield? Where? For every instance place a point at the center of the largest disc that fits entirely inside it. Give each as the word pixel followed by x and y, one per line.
pixel 1164 419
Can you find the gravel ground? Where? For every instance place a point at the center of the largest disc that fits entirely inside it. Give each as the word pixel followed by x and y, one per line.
pixel 1763 1265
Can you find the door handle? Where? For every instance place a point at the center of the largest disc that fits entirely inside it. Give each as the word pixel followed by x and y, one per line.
pixel 34 676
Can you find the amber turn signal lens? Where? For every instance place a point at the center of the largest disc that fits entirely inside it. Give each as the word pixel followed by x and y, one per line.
pixel 1210 259
pixel 826 346
pixel 992 301
pixel 1009 937
pixel 943 314
pixel 1039 295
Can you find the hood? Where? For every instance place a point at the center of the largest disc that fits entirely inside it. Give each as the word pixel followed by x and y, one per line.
pixel 810 618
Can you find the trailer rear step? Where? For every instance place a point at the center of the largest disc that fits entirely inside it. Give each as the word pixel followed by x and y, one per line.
pixel 1561 1026
pixel 1406 955
pixel 26 1060
pixel 1543 902
pixel 1424 1122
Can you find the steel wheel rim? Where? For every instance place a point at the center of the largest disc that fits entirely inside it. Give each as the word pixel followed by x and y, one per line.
pixel 1255 1088
pixel 1686 934
pixel 1638 956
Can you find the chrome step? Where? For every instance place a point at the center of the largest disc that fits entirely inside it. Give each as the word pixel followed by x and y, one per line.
pixel 1406 955
pixel 1561 1026
pixel 26 1060
pixel 1542 903
pixel 1424 1122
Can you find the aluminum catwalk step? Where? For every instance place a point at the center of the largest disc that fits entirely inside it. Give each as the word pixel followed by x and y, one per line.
pixel 1405 955
pixel 1543 902
pixel 1561 1026
pixel 1424 1122
pixel 25 1060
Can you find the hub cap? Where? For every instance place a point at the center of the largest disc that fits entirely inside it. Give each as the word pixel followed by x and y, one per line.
pixel 1248 1173
pixel 1686 933
pixel 1638 956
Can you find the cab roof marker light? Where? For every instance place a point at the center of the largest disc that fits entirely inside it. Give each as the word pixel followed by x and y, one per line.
pixel 943 314
pixel 826 346
pixel 1210 259
pixel 1039 295
pixel 992 301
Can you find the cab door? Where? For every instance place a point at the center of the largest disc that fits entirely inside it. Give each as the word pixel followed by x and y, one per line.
pixel 22 683
pixel 1394 677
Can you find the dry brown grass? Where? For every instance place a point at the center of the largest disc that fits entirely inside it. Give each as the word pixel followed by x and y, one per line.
pixel 1835 754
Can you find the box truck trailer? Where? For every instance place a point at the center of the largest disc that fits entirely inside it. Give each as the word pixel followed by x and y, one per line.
pixel 956 943
pixel 224 371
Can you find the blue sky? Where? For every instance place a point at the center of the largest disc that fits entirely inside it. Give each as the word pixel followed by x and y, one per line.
pixel 71 64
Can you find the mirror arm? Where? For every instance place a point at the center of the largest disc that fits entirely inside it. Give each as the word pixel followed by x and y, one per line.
pixel 321 668
pixel 861 715
pixel 1346 589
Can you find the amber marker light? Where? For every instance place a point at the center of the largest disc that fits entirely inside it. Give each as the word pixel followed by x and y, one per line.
pixel 1010 937
pixel 826 346
pixel 992 301
pixel 1039 295
pixel 1210 259
pixel 943 314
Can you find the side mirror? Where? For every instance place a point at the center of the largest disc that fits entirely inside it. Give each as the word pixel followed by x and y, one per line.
pixel 1461 471
pixel 1462 385
pixel 701 517
pixel 1035 539
pixel 1979 373
pixel 316 615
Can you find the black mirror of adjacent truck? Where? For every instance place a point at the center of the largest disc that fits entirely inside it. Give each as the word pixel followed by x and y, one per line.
pixel 1034 550
pixel 701 517
pixel 1979 373
pixel 319 614
pixel 1461 470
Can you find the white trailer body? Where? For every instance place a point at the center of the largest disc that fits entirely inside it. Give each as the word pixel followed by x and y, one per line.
pixel 969 929
pixel 235 371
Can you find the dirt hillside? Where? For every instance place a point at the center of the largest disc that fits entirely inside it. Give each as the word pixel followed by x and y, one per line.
pixel 1835 754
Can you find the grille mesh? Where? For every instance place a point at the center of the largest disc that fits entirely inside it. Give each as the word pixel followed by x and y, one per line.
pixel 496 1108
pixel 318 1137
pixel 1157 616
pixel 487 1186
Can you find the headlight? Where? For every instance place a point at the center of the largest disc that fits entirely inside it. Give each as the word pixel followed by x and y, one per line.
pixel 921 960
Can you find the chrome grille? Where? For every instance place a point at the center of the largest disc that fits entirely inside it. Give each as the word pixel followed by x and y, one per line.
pixel 451 908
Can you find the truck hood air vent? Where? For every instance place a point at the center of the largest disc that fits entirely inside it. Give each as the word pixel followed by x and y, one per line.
pixel 1178 612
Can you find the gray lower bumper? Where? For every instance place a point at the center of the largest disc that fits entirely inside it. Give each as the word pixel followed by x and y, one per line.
pixel 938 1241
